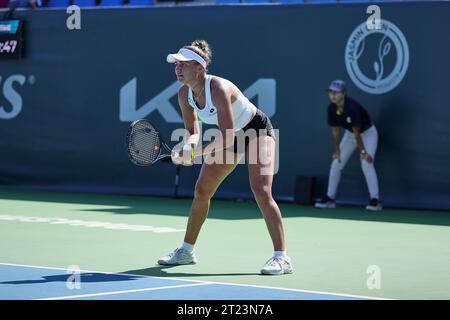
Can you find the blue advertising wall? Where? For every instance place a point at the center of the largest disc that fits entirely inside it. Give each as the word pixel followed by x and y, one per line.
pixel 66 106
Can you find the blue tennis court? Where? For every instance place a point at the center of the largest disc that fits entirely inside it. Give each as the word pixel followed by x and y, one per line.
pixel 18 282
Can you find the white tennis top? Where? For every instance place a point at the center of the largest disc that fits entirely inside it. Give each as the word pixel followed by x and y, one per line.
pixel 242 108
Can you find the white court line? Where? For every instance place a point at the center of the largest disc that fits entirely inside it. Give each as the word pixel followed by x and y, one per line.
pixel 123 291
pixel 89 224
pixel 210 282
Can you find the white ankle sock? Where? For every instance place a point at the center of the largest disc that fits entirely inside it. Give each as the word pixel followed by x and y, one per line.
pixel 280 254
pixel 187 246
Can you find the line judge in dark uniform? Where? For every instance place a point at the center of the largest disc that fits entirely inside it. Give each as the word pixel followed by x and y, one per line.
pixel 360 133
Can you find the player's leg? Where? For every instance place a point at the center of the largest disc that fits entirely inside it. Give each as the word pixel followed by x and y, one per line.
pixel 211 176
pixel 370 140
pixel 261 177
pixel 261 173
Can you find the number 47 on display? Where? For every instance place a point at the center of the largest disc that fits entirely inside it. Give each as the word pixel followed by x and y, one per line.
pixel 8 46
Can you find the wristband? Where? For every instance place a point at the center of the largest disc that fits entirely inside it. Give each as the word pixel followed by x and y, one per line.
pixel 188 148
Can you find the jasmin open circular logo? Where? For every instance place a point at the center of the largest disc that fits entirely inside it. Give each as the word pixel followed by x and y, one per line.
pixel 377 59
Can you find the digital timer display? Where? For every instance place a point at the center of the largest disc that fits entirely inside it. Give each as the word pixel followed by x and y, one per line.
pixel 11 40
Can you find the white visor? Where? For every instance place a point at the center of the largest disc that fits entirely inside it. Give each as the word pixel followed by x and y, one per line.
pixel 186 55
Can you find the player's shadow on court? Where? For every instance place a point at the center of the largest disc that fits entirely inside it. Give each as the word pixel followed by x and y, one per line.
pixel 159 271
pixel 84 278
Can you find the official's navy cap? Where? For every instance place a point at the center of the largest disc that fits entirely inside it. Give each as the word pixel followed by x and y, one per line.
pixel 337 85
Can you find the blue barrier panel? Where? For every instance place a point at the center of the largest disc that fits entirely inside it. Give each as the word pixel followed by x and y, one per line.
pixel 66 106
pixel 58 3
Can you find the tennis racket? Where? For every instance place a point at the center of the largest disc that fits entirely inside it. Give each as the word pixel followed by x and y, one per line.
pixel 144 144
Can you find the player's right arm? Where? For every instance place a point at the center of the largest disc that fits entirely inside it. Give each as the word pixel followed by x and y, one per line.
pixel 189 117
pixel 191 125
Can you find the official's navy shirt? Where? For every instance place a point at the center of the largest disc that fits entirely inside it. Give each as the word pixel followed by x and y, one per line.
pixel 354 115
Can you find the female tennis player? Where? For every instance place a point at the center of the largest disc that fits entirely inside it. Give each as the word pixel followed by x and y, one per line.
pixel 215 100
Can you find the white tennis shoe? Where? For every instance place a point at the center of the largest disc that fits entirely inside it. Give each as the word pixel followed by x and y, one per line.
pixel 177 257
pixel 278 266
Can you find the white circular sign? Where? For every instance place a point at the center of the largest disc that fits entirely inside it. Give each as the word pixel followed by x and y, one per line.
pixel 393 39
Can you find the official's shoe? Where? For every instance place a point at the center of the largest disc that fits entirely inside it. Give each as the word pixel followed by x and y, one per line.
pixel 326 203
pixel 374 205
pixel 277 266
pixel 177 257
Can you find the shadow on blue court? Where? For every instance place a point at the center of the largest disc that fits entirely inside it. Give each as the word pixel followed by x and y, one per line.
pixel 160 271
pixel 20 282
pixel 83 278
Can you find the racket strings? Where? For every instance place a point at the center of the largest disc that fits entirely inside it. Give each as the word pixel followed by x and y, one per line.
pixel 144 143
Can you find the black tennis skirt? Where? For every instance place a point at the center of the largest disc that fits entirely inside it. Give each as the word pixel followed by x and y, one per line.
pixel 260 125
